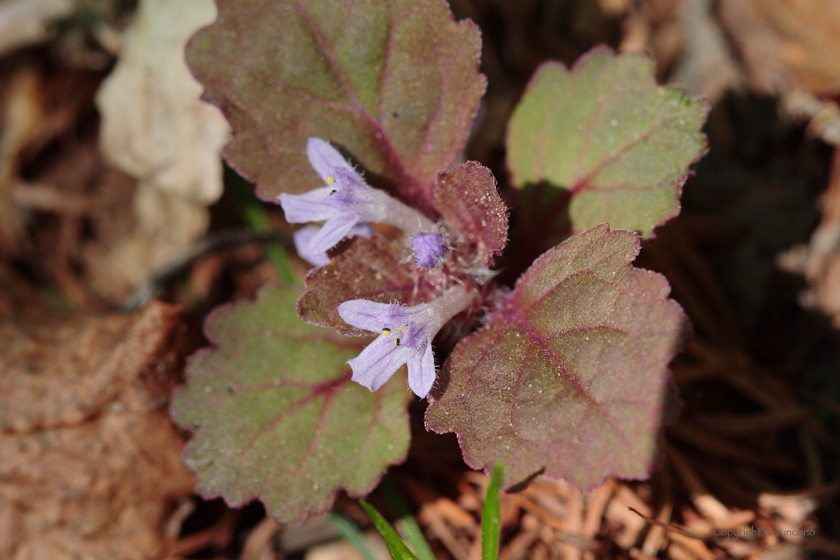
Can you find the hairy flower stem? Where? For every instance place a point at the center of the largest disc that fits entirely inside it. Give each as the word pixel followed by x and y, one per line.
pixel 408 219
pixel 450 303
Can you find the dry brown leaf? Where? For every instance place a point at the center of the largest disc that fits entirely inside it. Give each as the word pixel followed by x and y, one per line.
pixel 64 370
pixel 16 294
pixel 23 114
pixel 707 67
pixel 91 462
pixel 787 44
pixel 819 261
pixel 155 127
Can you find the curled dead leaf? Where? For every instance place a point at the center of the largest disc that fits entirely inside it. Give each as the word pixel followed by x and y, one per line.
pixel 156 128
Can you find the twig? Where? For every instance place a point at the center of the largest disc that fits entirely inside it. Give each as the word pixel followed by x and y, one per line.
pixel 224 239
pixel 670 527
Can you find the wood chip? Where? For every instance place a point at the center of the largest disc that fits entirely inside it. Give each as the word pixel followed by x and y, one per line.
pixel 433 517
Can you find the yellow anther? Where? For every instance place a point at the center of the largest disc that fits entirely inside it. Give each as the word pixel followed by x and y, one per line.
pixel 386 331
pixel 397 341
pixel 333 191
pixel 330 179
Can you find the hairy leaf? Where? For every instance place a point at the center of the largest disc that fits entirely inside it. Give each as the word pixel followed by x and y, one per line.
pixel 467 198
pixel 371 269
pixel 568 378
pixel 618 145
pixel 276 417
pixel 393 83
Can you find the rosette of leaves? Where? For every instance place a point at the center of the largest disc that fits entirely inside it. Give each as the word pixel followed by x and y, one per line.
pixel 564 374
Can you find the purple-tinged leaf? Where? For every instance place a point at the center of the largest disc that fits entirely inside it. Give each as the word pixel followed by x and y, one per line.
pixel 276 417
pixel 395 84
pixel 618 145
pixel 467 198
pixel 372 269
pixel 568 378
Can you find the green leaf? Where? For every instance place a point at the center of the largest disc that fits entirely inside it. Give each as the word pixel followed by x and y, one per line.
pixel 396 547
pixel 618 145
pixel 276 417
pixel 568 377
pixel 490 522
pixel 393 83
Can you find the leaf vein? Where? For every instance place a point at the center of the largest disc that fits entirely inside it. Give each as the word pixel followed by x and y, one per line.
pixel 379 133
pixel 584 181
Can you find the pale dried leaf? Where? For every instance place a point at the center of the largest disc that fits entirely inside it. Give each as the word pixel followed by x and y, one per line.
pixel 156 128
pixel 154 125
pixel 708 66
pixel 25 22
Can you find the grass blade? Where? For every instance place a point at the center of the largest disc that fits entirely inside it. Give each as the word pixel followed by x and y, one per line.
pixel 406 524
pixel 395 544
pixel 490 520
pixel 350 533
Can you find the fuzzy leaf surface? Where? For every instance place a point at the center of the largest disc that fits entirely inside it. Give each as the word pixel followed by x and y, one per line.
pixel 469 201
pixel 373 269
pixel 392 83
pixel 276 417
pixel 618 145
pixel 568 378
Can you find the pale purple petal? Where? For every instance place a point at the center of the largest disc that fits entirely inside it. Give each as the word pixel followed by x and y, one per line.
pixel 409 329
pixel 326 160
pixel 307 207
pixel 364 314
pixel 334 230
pixel 302 237
pixel 377 363
pixel 421 371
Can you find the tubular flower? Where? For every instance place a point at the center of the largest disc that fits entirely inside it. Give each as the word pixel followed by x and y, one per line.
pixel 405 337
pixel 344 202
pixel 304 235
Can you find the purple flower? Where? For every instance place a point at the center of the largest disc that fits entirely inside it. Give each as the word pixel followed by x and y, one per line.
pixel 429 249
pixel 405 337
pixel 304 235
pixel 345 202
pixel 326 161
